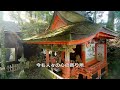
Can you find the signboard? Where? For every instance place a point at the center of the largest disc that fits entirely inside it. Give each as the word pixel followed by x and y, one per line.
pixel 100 52
pixel 90 52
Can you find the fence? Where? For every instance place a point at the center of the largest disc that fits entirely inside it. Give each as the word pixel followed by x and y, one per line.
pixel 13 67
pixel 16 67
pixel 55 76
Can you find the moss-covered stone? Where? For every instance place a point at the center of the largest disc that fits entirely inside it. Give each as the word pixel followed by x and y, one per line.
pixel 39 73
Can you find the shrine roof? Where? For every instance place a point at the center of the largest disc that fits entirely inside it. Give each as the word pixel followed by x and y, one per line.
pixel 76 29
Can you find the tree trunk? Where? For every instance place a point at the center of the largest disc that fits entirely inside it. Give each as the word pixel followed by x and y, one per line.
pixel 110 22
pixel 30 13
pixel 3 54
pixel 31 16
pixel 95 13
pixel 20 21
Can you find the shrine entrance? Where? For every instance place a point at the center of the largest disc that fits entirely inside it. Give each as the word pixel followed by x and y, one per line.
pixel 77 51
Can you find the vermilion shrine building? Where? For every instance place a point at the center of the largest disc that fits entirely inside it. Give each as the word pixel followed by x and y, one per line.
pixel 72 34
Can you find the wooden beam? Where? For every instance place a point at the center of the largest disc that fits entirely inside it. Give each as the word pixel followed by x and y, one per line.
pixel 47 42
pixel 83 40
pixel 104 35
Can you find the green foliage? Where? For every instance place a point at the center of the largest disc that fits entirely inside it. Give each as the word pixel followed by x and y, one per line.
pixel 117 14
pixel 22 61
pixel 113 55
pixel 16 16
pixel 114 70
pixel 33 28
pixel 38 73
pixel 22 75
pixel 35 22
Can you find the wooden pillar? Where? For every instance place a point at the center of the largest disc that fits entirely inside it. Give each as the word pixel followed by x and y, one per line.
pixel 66 71
pixel 62 56
pixel 105 52
pixel 99 73
pixel 47 57
pixel 89 77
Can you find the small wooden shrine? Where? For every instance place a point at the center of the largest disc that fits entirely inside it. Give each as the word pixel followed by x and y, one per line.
pixel 72 39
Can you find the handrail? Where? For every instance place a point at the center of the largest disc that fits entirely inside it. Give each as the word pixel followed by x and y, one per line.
pixel 58 77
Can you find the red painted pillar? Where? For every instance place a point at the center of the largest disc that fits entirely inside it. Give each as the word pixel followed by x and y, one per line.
pixel 63 56
pixel 47 57
pixel 66 69
pixel 99 73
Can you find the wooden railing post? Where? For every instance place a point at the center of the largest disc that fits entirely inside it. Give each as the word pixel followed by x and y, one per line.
pixel 47 57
